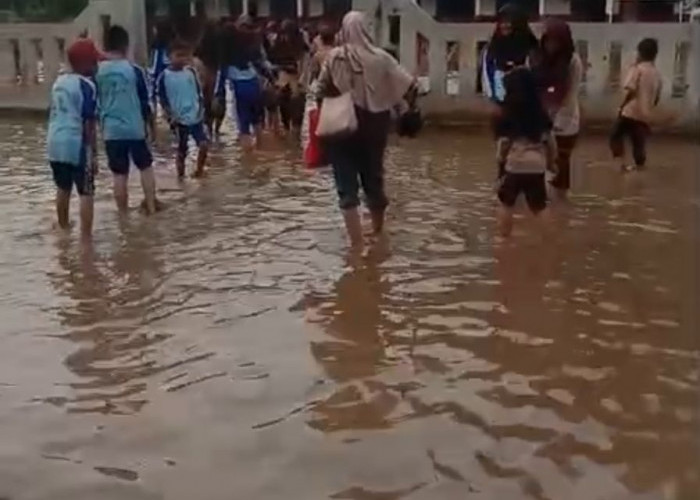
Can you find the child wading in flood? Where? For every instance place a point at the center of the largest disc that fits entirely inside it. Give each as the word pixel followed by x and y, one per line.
pixel 71 136
pixel 124 112
pixel 181 98
pixel 526 148
pixel 642 94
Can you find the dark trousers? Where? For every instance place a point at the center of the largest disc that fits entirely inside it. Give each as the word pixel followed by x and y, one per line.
pixel 565 146
pixel 358 161
pixel 637 132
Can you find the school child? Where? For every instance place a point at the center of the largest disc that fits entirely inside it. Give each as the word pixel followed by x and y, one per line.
pixel 181 97
pixel 642 93
pixel 71 135
pixel 125 112
pixel 526 148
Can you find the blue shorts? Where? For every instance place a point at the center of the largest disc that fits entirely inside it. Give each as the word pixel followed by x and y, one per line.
pixel 197 131
pixel 121 153
pixel 249 104
pixel 66 175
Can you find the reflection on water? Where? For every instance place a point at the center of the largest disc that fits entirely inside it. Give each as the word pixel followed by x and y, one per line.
pixel 226 348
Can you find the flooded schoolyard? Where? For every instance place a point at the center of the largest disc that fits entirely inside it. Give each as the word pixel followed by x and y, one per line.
pixel 227 349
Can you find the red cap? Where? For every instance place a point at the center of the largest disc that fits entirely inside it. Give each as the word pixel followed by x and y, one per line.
pixel 83 54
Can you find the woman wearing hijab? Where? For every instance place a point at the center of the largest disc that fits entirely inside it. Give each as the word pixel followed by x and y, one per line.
pixel 510 46
pixel 377 83
pixel 559 70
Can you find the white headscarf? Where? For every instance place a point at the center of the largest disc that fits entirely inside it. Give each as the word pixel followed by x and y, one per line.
pixel 376 79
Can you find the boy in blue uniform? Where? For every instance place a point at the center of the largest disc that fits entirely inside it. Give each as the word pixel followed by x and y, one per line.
pixel 181 98
pixel 124 113
pixel 71 135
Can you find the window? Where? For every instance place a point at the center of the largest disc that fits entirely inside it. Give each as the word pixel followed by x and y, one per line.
pixel 532 7
pixel 680 70
pixel 582 51
pixel 588 10
pixel 283 9
pixel 449 10
pixel 235 7
pixel 615 65
pixel 336 9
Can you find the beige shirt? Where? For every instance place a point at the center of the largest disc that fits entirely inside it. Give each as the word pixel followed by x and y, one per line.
pixel 567 118
pixel 522 156
pixel 644 83
pixel 379 87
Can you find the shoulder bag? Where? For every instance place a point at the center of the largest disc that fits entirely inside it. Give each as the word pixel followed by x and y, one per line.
pixel 337 117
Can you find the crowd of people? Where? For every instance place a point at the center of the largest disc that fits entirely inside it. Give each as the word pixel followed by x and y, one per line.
pixel 274 71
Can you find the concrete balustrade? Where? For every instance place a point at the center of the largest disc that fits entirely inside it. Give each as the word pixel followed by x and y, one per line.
pixel 31 55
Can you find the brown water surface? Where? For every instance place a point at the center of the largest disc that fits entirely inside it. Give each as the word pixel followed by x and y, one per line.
pixel 226 349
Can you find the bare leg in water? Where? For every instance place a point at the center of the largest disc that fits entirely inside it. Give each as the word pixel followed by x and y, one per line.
pixel 353 225
pixel 62 208
pixel 505 221
pixel 201 160
pixel 148 184
pixel 87 210
pixel 121 193
pixel 377 221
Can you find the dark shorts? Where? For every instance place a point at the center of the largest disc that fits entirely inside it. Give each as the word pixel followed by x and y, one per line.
pixel 565 146
pixel 198 132
pixel 638 133
pixel 359 161
pixel 121 153
pixel 531 185
pixel 66 175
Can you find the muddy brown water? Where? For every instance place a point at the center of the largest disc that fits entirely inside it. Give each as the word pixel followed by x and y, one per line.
pixel 227 349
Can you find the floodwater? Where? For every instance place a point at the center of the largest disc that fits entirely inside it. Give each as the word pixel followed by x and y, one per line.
pixel 227 349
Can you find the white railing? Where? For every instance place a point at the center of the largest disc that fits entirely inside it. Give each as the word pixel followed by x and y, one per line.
pixel 32 54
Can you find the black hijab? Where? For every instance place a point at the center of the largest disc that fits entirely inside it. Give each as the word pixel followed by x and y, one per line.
pixel 512 50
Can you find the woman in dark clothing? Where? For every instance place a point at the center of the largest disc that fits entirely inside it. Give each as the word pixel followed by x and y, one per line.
pixel 208 64
pixel 510 46
pixel 287 53
pixel 270 91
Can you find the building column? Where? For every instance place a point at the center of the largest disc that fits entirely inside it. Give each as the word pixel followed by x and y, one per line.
pixel 28 61
pixel 7 63
pixel 52 59
pixel 300 8
pixel 543 8
pixel 477 8
pixel 245 7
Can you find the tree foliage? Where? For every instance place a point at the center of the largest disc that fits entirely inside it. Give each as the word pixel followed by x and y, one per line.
pixel 47 10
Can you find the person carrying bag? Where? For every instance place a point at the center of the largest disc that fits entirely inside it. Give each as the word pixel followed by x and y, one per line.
pixel 359 85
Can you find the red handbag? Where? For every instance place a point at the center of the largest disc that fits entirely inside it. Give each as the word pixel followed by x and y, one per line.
pixel 312 153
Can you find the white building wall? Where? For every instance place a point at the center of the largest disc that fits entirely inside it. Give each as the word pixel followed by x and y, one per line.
pixel 430 6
